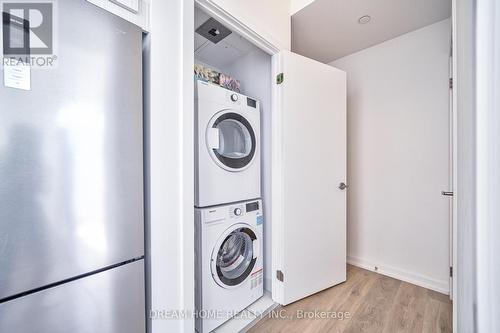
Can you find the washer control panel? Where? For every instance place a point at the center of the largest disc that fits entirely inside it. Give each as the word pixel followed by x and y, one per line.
pixel 252 206
pixel 239 210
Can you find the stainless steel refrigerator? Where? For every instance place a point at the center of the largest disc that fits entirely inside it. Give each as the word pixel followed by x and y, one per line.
pixel 71 183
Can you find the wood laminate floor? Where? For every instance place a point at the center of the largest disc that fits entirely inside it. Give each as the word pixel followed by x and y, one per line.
pixel 376 303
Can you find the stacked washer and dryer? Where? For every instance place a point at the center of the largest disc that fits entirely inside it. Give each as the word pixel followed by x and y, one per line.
pixel 228 212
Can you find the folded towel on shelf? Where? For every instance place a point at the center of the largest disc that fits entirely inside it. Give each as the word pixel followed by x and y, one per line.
pixel 202 72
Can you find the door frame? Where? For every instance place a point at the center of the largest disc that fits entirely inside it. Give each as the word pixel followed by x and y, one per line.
pixel 276 194
pixel 453 180
pixel 169 163
pixel 453 176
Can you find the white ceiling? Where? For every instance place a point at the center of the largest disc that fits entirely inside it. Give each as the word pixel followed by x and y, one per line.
pixel 224 52
pixel 327 30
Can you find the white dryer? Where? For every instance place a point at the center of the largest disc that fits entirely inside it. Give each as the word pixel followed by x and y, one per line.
pixel 229 261
pixel 227 152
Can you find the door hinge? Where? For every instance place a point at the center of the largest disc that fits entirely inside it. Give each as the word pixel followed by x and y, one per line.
pixel 280 276
pixel 279 78
pixel 450 82
pixel 451 271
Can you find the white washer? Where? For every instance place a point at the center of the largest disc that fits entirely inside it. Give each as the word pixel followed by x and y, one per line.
pixel 227 152
pixel 229 262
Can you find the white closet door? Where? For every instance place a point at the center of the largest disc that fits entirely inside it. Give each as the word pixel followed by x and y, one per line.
pixel 309 165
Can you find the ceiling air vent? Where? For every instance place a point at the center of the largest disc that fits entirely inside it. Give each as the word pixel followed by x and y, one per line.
pixel 213 31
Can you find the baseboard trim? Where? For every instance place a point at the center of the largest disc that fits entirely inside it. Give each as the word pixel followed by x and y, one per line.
pixel 403 275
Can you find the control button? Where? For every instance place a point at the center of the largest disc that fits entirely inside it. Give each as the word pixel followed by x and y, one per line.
pixel 237 211
pixel 234 97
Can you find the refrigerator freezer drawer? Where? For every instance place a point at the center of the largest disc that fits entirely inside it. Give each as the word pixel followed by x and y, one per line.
pixel 112 301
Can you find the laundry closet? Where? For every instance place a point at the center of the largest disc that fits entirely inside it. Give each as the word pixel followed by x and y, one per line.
pixel 249 179
pixel 232 171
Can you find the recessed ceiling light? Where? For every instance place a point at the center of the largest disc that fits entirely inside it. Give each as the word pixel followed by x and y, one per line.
pixel 364 19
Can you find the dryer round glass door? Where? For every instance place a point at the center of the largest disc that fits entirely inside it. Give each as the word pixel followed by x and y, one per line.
pixel 234 257
pixel 231 141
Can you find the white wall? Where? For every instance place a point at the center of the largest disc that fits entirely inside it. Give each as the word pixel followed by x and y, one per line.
pixel 297 5
pixel 169 164
pixel 254 72
pixel 398 163
pixel 268 18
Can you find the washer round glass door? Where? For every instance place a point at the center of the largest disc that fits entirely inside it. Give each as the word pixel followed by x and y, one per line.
pixel 233 257
pixel 231 141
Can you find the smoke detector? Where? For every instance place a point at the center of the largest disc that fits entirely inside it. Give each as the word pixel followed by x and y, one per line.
pixel 364 19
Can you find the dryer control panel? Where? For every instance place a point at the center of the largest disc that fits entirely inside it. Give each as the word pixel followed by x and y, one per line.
pixel 234 97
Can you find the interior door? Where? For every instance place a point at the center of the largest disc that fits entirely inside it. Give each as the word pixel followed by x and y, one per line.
pixel 309 170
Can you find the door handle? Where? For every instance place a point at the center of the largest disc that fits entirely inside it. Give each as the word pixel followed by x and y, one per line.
pixel 256 248
pixel 213 138
pixel 343 186
pixel 447 194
